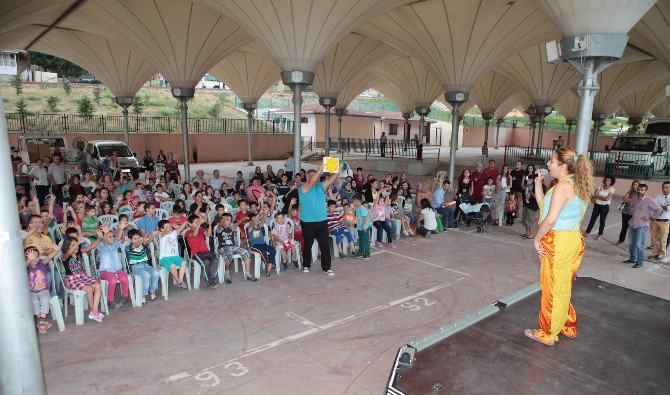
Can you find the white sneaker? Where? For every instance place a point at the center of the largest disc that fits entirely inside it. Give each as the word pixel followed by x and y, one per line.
pixel 93 317
pixel 405 232
pixel 330 273
pixel 305 270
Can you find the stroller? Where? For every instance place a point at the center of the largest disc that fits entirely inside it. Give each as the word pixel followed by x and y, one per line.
pixel 474 212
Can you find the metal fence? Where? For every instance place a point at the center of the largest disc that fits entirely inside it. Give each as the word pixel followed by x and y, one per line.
pixel 68 123
pixel 642 165
pixel 394 148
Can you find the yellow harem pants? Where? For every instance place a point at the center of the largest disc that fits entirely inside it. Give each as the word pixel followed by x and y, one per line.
pixel 565 249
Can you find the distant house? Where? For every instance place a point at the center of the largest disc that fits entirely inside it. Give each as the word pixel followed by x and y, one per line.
pixel 8 64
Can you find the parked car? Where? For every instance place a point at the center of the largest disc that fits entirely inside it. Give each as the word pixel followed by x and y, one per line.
pixel 642 155
pixel 86 79
pixel 39 147
pixel 210 82
pixel 96 150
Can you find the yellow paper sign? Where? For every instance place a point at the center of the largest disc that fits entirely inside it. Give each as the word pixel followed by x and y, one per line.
pixel 331 165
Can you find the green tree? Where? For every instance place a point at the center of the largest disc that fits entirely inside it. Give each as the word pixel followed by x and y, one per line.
pixel 21 107
pixel 17 84
pixel 85 107
pixel 64 68
pixel 214 111
pixel 52 103
pixel 67 87
pixel 138 105
pixel 97 91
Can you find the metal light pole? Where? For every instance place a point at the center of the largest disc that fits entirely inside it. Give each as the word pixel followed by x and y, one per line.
pixel 250 107
pixel 542 112
pixel 21 371
pixel 339 112
pixel 184 95
pixel 327 103
pixel 571 123
pixel 455 99
pixel 487 121
pixel 598 122
pixel 125 102
pixel 298 81
pixel 498 123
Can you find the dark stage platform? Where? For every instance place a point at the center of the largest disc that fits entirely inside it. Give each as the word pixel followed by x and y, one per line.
pixel 623 347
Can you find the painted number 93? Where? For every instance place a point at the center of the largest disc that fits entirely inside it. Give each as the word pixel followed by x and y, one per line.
pixel 212 380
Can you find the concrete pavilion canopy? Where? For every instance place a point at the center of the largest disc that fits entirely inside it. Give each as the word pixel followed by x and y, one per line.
pixel 460 41
pixel 397 95
pixel 619 80
pixel 352 56
pixel 507 106
pixel 355 87
pixel 662 109
pixel 182 39
pixel 300 33
pixel 492 90
pixel 120 68
pixel 638 103
pixel 545 83
pixel 569 106
pixel 413 77
pixel 249 73
pixel 652 32
pixel 22 21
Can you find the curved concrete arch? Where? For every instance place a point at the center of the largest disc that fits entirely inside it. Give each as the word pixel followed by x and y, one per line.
pixel 397 95
pixel 299 33
pixel 460 41
pixel 352 56
pixel 492 90
pixel 662 109
pixel 117 66
pixel 39 14
pixel 652 32
pixel 355 87
pixel 619 80
pixel 413 77
pixel 638 103
pixel 545 83
pixel 569 106
pixel 248 74
pixel 183 40
pixel 506 107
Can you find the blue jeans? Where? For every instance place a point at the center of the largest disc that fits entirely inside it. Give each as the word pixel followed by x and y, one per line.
pixel 149 277
pixel 447 216
pixel 636 237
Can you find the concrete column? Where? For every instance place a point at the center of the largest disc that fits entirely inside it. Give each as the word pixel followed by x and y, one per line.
pixel 598 121
pixel 21 371
pixel 406 135
pixel 250 107
pixel 327 104
pixel 125 102
pixel 542 112
pixel 339 112
pixel 633 122
pixel 184 95
pixel 455 99
pixel 498 123
pixel 571 123
pixel 487 121
pixel 298 81
pixel 533 120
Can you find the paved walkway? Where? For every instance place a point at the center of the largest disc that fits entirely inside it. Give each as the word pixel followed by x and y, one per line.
pixel 310 333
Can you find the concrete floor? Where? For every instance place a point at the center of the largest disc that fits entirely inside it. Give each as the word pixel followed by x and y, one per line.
pixel 310 333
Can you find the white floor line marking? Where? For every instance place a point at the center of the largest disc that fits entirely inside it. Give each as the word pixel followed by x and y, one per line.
pixel 318 328
pixel 613 225
pixel 497 239
pixel 301 320
pixel 652 270
pixel 427 263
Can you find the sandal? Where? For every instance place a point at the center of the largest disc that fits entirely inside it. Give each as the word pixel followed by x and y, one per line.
pixel 530 333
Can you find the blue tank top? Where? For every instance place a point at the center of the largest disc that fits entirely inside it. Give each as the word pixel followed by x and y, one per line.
pixel 571 215
pixel 313 204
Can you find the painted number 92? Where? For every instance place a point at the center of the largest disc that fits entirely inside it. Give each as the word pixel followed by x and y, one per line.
pixel 416 307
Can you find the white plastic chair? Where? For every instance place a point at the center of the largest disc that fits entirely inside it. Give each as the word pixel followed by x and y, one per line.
pixel 76 296
pixel 167 206
pixel 236 258
pixel 127 210
pixel 297 247
pixel 134 282
pixel 162 214
pixel 56 312
pixel 109 220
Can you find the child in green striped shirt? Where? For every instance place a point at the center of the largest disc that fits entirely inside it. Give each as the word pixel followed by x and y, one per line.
pixel 136 252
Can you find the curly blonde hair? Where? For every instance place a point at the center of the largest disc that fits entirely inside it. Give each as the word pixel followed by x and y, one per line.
pixel 582 168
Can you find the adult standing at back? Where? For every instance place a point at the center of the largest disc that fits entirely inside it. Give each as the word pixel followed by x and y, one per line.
pixel 601 207
pixel 658 228
pixel 382 143
pixel 57 178
pixel 313 218
pixel 517 185
pixel 559 243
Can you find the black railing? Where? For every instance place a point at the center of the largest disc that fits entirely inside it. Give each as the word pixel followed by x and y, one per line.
pixel 72 123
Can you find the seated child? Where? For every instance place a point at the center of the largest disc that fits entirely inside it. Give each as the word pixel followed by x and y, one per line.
pixel 336 228
pixel 168 247
pixel 197 245
pixel 241 218
pixel 75 277
pixel 111 267
pixel 283 240
pixel 228 247
pixel 138 260
pixel 256 233
pixel 90 223
pixel 38 281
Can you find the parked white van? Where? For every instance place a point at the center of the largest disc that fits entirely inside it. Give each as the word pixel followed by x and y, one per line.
pixel 210 82
pixel 96 150
pixel 642 155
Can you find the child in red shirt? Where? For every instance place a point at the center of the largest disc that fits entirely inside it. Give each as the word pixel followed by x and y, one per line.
pixel 197 245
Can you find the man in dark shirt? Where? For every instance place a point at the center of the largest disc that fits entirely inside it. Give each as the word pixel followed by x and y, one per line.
pixel 517 185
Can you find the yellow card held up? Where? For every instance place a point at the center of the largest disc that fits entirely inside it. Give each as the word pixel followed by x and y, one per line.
pixel 331 165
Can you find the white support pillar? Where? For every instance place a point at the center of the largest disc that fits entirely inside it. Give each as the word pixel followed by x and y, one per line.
pixel 455 99
pixel 184 95
pixel 298 81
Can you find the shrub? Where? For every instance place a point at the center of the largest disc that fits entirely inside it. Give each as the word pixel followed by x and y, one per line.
pixel 214 111
pixel 138 105
pixel 66 86
pixel 52 103
pixel 96 94
pixel 21 107
pixel 17 84
pixel 85 106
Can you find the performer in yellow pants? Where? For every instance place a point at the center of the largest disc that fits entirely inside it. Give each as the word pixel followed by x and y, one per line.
pixel 559 243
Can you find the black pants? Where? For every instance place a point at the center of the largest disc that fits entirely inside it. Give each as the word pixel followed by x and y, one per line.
pixel 383 225
pixel 57 190
pixel 624 226
pixel 382 148
pixel 599 210
pixel 316 231
pixel 210 262
pixel 42 192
